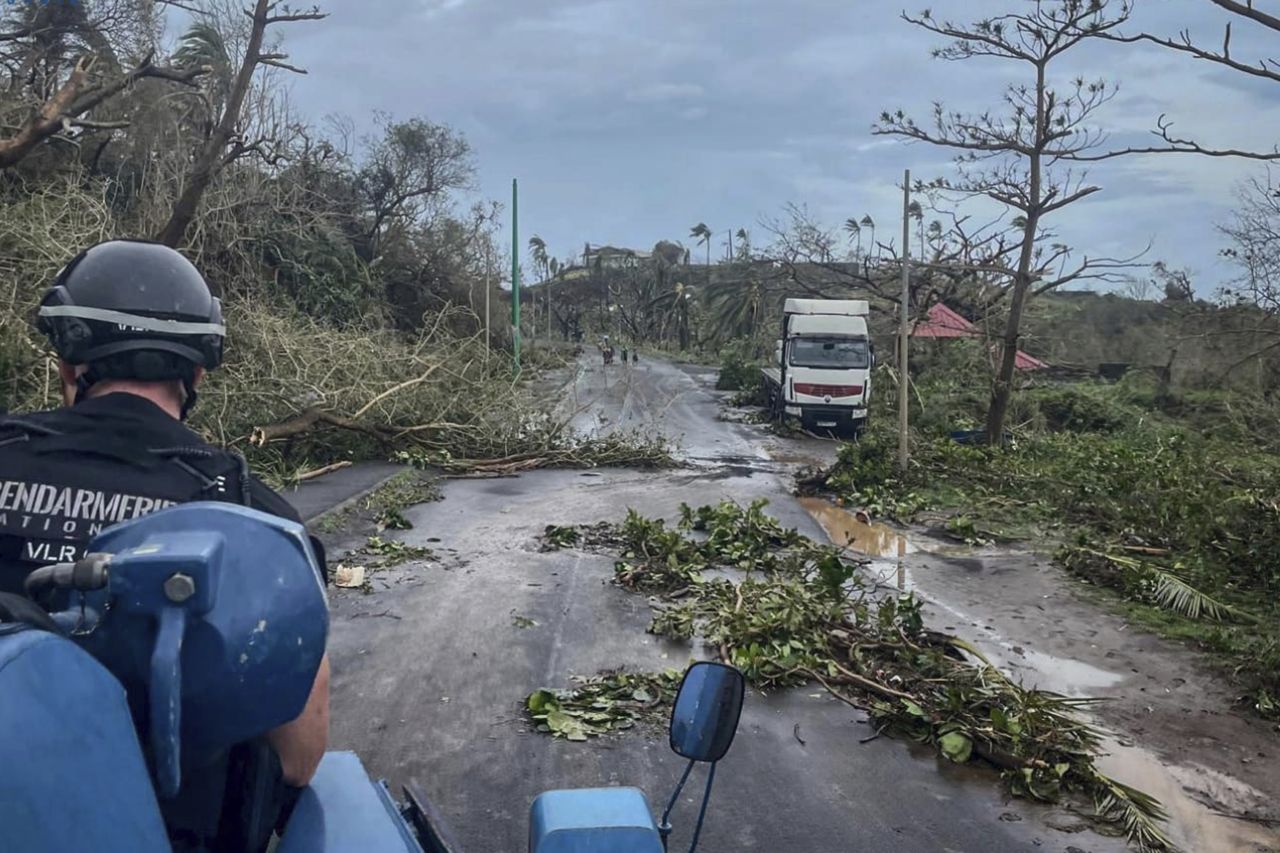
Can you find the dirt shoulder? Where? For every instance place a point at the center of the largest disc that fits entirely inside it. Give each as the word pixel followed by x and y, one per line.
pixel 1179 733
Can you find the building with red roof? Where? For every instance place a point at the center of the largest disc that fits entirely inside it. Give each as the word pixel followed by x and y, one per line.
pixel 942 322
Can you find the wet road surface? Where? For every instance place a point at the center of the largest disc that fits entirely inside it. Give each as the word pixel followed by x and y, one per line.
pixel 430 668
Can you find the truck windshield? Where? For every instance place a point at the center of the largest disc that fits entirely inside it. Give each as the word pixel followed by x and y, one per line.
pixel 834 353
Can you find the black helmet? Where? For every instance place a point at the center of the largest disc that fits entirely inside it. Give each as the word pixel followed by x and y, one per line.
pixel 133 309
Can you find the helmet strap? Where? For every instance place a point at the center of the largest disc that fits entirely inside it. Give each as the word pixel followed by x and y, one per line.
pixel 84 382
pixel 189 396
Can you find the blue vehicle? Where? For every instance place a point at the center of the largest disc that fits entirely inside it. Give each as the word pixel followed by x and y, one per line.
pixel 199 627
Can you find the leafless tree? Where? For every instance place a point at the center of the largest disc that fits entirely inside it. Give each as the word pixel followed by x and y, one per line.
pixel 1254 231
pixel 1020 154
pixel 1267 68
pixel 227 141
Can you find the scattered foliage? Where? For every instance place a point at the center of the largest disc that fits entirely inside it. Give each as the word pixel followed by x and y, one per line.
pixel 1164 515
pixel 611 701
pixel 739 370
pixel 542 442
pixel 801 611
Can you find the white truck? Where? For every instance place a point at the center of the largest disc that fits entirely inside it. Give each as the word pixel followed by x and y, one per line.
pixel 822 365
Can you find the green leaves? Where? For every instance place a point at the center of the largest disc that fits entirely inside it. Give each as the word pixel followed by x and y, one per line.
pixel 956 745
pixel 800 613
pixel 611 701
pixel 556 537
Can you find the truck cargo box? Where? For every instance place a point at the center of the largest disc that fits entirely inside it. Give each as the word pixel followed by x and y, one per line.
pixel 838 307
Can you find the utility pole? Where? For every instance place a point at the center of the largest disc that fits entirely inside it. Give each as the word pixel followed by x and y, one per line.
pixel 488 286
pixel 904 330
pixel 515 278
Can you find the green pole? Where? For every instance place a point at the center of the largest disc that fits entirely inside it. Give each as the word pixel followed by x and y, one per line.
pixel 515 277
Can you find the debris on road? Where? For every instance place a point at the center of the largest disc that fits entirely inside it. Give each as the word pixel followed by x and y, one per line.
pixel 802 613
pixel 611 701
pixel 1185 528
pixel 554 447
pixel 348 577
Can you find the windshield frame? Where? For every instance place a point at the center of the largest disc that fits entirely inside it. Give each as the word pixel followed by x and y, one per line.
pixel 830 339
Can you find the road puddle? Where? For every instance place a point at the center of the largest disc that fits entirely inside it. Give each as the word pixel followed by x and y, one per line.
pixel 848 530
pixel 1192 825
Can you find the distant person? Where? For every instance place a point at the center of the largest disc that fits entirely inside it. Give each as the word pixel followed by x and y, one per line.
pixel 624 355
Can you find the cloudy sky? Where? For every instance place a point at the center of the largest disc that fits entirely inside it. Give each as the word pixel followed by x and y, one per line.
pixel 628 121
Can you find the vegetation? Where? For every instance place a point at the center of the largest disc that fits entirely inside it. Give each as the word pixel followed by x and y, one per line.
pixel 352 282
pixel 801 612
pixel 738 370
pixel 1141 496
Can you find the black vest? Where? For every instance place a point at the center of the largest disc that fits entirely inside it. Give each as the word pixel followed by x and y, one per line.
pixel 58 490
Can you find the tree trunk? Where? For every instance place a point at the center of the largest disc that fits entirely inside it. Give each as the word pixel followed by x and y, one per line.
pixel 1003 388
pixel 210 160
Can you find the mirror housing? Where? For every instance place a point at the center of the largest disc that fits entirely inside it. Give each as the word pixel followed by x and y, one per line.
pixel 704 717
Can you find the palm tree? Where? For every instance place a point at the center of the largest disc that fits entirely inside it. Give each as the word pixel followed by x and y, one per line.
pixel 735 308
pixel 916 212
pixel 703 235
pixel 855 232
pixel 935 231
pixel 538 248
pixel 868 222
pixel 675 304
pixel 744 251
pixel 202 46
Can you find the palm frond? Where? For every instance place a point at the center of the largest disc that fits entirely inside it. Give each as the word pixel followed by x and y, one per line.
pixel 1140 814
pixel 1173 593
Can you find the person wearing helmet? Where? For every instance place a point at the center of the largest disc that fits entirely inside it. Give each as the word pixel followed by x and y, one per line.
pixel 135 329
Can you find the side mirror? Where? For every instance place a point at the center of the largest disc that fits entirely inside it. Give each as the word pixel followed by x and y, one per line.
pixel 705 717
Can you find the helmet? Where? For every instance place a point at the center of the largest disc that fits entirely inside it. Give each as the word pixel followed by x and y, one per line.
pixel 133 309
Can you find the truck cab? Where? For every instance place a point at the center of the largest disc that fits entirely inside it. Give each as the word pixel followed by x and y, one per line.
pixel 822 364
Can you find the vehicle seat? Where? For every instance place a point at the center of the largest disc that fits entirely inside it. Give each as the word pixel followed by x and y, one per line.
pixel 74 775
pixel 587 819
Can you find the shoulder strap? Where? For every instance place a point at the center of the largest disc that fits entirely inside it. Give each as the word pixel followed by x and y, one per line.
pixel 191 460
pixel 13 430
pixel 188 458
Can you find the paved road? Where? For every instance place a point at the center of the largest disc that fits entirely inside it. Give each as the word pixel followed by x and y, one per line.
pixel 430 668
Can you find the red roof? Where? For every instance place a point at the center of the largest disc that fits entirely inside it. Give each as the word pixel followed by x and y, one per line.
pixel 942 322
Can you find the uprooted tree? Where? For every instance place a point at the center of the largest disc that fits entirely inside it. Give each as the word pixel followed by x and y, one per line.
pixel 1021 154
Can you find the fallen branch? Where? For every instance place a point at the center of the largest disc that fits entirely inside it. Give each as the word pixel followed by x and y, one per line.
pixel 305 421
pixel 409 383
pixel 320 472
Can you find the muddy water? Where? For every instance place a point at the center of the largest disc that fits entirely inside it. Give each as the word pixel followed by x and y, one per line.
pixel 1193 826
pixel 847 530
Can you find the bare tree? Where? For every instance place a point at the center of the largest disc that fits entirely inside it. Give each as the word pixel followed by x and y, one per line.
pixel 1254 231
pixel 1267 68
pixel 1020 155
pixel 226 141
